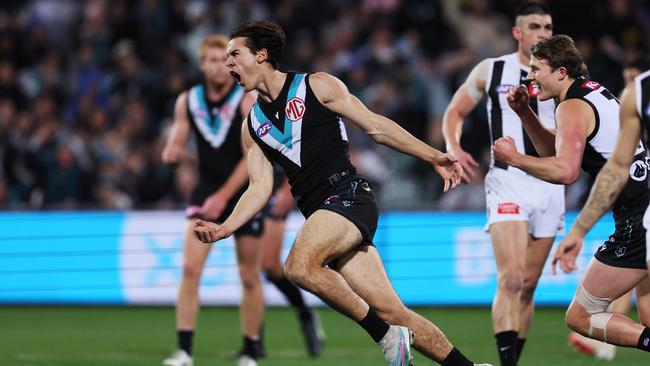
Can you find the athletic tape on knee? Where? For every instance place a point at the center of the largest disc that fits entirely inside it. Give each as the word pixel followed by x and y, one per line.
pixel 599 321
pixel 596 307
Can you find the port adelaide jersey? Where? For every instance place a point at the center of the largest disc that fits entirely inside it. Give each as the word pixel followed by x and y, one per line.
pixel 308 141
pixel 602 141
pixel 217 128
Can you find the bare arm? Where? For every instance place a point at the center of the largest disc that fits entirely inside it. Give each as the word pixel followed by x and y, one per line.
pixel 615 173
pixel 461 105
pixel 334 95
pixel 260 173
pixel 179 134
pixel 609 183
pixel 542 138
pixel 575 120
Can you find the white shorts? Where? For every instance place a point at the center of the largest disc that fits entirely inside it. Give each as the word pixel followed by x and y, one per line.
pixel 646 225
pixel 512 195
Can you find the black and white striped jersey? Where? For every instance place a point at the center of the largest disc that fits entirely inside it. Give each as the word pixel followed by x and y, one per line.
pixel 602 140
pixel 506 73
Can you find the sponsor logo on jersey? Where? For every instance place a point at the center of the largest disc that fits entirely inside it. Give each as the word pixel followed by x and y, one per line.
pixel 508 208
pixel 533 90
pixel 638 170
pixel 590 85
pixel 264 129
pixel 504 88
pixel 295 109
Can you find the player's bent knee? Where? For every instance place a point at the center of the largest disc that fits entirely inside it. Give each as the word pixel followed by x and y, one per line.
pixel 296 273
pixel 595 308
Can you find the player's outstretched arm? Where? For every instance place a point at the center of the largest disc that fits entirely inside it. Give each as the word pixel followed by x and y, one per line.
pixel 461 105
pixel 260 175
pixel 334 95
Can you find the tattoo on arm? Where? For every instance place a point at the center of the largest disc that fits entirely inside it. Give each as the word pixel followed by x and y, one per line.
pixel 607 186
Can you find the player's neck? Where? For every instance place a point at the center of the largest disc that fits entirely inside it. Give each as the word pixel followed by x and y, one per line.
pixel 566 84
pixel 523 57
pixel 271 85
pixel 216 92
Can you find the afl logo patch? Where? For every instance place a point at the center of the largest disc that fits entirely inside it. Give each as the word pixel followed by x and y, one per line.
pixel 638 171
pixel 264 129
pixel 295 109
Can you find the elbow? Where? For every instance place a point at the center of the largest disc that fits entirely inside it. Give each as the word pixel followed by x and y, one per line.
pixel 567 176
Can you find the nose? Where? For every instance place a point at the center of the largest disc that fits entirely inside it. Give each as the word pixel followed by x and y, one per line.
pixel 229 62
pixel 530 75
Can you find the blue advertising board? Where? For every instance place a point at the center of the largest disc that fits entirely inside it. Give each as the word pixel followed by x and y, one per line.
pixel 432 258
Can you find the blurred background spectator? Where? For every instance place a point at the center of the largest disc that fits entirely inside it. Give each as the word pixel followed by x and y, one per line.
pixel 87 88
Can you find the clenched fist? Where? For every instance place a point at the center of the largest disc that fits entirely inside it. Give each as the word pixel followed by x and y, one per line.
pixel 209 232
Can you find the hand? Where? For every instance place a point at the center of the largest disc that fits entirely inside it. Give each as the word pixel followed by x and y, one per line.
pixel 209 232
pixel 466 161
pixel 214 205
pixel 518 99
pixel 567 252
pixel 505 150
pixel 449 169
pixel 172 154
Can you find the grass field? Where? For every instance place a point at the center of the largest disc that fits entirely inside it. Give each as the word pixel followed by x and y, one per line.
pixel 138 336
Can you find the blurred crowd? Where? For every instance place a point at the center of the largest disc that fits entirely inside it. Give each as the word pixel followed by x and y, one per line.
pixel 87 88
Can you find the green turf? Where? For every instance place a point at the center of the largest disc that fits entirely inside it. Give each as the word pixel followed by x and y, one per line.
pixel 98 336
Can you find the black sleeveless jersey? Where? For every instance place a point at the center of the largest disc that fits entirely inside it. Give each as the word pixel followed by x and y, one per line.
pixel 217 127
pixel 602 141
pixel 642 83
pixel 305 138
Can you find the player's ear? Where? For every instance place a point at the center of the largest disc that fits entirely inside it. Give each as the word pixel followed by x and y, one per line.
pixel 262 55
pixel 562 72
pixel 516 33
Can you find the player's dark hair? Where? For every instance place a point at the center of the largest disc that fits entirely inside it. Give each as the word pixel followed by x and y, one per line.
pixel 560 51
pixel 262 34
pixel 532 8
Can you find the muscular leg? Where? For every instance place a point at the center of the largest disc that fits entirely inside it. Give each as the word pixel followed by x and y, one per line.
pixel 536 254
pixel 252 305
pixel 509 240
pixel 326 236
pixel 365 273
pixel 194 255
pixel 643 301
pixel 605 281
pixel 271 249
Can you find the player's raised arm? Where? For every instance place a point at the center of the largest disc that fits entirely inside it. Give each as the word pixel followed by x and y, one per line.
pixel 543 139
pixel 334 95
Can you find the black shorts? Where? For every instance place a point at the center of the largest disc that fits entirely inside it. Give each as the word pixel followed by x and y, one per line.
pixel 254 227
pixel 353 199
pixel 626 248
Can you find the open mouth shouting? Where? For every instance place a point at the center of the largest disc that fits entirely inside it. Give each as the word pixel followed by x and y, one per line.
pixel 236 76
